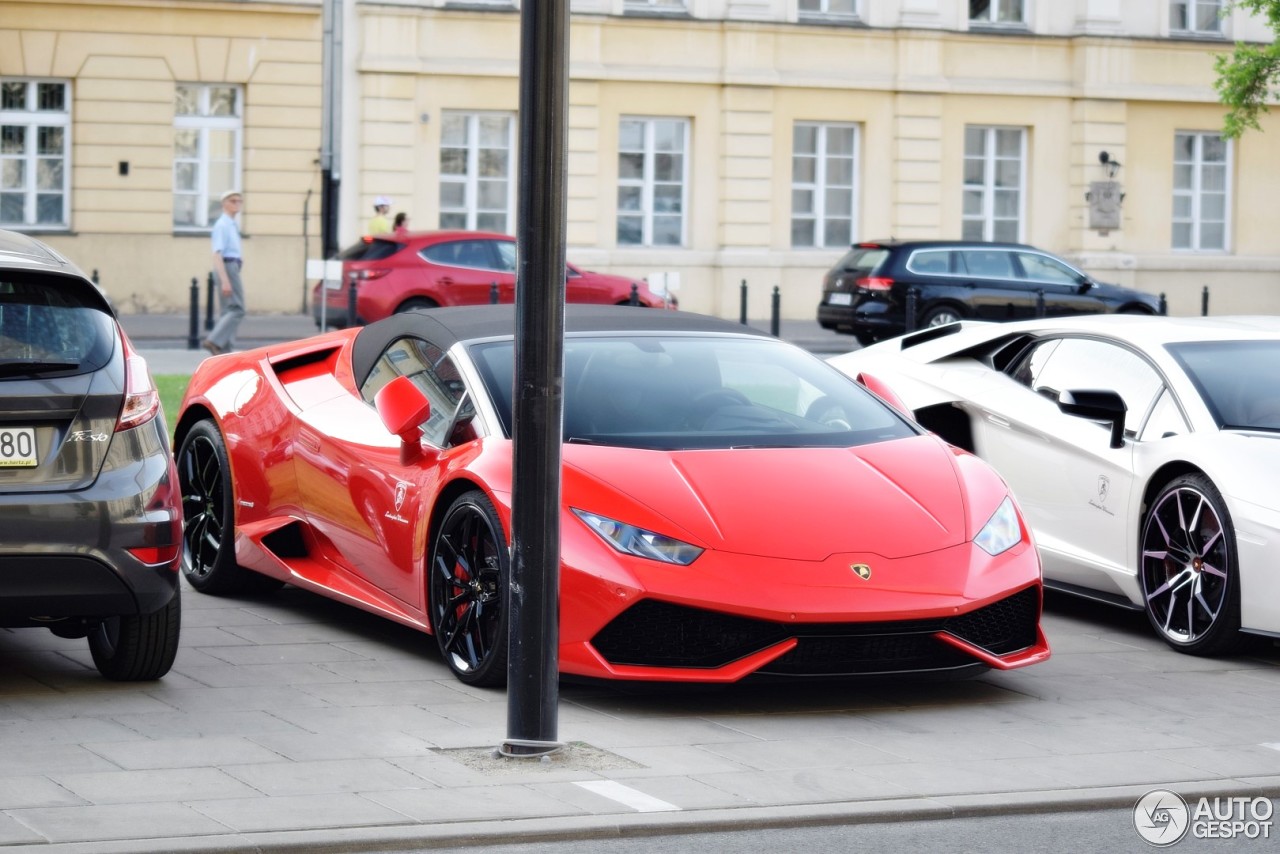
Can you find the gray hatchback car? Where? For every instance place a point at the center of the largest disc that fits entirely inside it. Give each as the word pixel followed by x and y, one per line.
pixel 90 512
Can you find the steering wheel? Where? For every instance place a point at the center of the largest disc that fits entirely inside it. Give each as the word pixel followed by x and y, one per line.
pixel 827 412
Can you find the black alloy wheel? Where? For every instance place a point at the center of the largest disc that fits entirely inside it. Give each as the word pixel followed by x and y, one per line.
pixel 1189 570
pixel 467 588
pixel 208 516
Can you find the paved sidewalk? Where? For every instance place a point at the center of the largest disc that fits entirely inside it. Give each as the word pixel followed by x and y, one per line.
pixel 291 722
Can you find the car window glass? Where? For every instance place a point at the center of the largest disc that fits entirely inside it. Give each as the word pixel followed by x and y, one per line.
pixel 370 249
pixel 435 374
pixel 932 261
pixel 991 263
pixel 863 259
pixel 506 255
pixel 474 254
pixel 1042 268
pixel 43 320
pixel 1028 368
pixel 1239 381
pixel 1086 363
pixel 682 393
pixel 1166 419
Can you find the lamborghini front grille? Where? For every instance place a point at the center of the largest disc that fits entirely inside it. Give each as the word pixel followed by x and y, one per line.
pixel 653 633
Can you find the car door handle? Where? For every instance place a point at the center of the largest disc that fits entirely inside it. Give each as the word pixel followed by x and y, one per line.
pixel 997 420
pixel 446 280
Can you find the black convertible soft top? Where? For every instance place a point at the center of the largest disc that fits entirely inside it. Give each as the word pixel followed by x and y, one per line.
pixel 446 326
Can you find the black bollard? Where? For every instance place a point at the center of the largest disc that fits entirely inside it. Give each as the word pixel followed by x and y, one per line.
pixel 743 310
pixel 208 302
pixel 1204 302
pixel 634 299
pixel 95 276
pixel 775 319
pixel 1164 305
pixel 493 293
pixel 352 316
pixel 1040 311
pixel 193 329
pixel 909 320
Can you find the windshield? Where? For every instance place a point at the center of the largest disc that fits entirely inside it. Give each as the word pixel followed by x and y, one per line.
pixel 1239 380
pixel 676 392
pixel 46 328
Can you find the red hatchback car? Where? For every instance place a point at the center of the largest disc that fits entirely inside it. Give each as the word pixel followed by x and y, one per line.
pixel 395 273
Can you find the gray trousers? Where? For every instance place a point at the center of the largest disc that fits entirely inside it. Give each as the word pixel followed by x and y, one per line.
pixel 223 333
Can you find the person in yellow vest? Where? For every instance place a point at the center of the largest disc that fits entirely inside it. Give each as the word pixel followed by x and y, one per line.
pixel 380 224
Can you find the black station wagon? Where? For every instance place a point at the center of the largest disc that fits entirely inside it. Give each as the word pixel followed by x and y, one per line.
pixel 866 292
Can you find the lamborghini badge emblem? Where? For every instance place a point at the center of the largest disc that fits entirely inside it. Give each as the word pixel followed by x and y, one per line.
pixel 861 570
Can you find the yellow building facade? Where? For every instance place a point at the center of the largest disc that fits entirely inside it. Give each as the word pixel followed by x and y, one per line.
pixel 724 141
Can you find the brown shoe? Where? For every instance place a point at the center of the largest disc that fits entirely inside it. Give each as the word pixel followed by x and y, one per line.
pixel 212 348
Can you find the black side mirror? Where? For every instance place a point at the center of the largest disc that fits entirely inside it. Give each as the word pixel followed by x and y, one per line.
pixel 1097 406
pixel 1085 284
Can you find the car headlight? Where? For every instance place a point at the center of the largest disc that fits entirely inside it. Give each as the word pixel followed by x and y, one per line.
pixel 631 540
pixel 1002 531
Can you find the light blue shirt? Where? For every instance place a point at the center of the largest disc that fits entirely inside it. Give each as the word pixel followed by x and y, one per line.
pixel 226 237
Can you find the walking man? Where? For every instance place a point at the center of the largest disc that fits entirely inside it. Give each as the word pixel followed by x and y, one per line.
pixel 227 263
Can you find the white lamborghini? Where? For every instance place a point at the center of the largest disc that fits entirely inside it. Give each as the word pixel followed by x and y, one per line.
pixel 1144 451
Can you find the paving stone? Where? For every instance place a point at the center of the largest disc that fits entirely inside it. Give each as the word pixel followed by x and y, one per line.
pixel 326 777
pixel 117 821
pixel 303 812
pixel 214 751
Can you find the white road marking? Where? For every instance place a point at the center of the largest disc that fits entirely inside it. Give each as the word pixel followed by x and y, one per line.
pixel 627 796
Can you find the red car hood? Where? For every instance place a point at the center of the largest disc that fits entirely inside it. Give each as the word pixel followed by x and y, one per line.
pixel 891 499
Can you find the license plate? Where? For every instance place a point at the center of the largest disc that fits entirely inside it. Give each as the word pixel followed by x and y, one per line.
pixel 18 447
pixel 839 299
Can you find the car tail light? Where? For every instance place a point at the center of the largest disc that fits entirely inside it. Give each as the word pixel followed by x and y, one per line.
pixel 875 283
pixel 376 273
pixel 163 539
pixel 141 399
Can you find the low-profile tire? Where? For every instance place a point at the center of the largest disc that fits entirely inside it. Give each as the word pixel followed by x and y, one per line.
pixel 208 516
pixel 940 315
pixel 137 647
pixel 1188 568
pixel 415 303
pixel 467 587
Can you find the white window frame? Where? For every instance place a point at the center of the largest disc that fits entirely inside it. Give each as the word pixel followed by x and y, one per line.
pixel 206 212
pixel 656 7
pixel 992 17
pixel 1197 194
pixel 820 185
pixel 824 12
pixel 1190 10
pixel 988 186
pixel 471 179
pixel 647 182
pixel 33 119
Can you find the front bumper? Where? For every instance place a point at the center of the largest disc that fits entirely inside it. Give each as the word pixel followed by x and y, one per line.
pixel 727 616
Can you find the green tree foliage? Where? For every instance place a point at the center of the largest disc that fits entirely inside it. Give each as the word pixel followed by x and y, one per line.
pixel 1248 76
